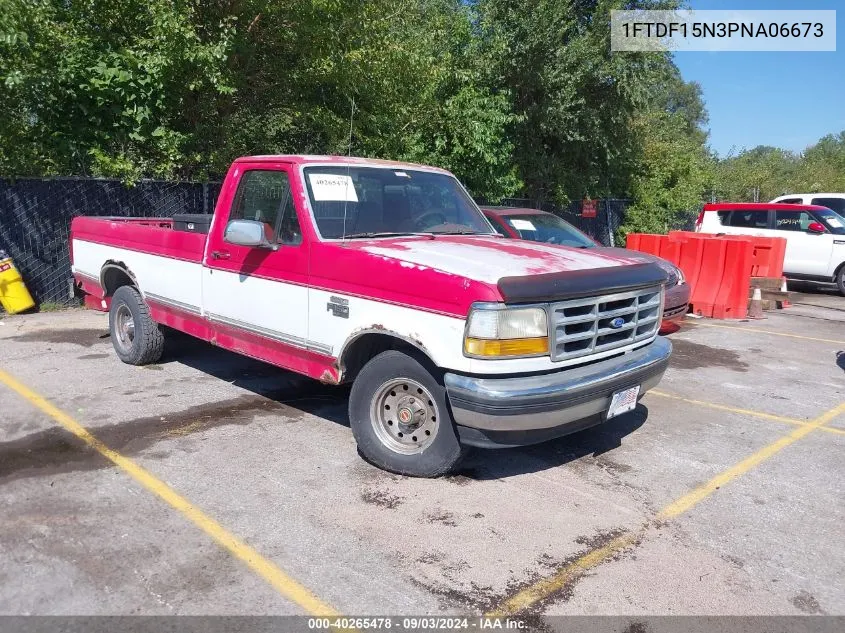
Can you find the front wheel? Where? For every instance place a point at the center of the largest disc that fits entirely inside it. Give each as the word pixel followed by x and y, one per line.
pixel 400 418
pixel 840 280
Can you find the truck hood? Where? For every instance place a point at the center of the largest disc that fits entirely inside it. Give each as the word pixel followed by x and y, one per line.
pixel 488 259
pixel 637 257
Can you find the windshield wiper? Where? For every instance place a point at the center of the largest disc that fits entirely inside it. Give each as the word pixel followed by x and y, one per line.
pixel 384 234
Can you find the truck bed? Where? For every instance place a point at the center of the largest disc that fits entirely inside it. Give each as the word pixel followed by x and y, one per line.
pixel 156 236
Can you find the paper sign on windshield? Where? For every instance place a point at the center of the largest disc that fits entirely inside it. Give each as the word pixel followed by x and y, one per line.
pixel 834 222
pixel 332 188
pixel 523 225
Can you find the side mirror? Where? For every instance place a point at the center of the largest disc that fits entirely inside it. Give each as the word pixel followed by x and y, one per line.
pixel 246 233
pixel 815 227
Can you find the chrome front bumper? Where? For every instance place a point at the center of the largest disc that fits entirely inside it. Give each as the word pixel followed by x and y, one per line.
pixel 551 404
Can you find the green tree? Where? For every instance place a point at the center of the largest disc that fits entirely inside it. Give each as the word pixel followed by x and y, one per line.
pixel 103 87
pixel 673 169
pixel 764 172
pixel 822 166
pixel 574 98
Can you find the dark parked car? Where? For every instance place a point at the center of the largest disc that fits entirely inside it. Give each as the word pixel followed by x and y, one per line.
pixel 539 226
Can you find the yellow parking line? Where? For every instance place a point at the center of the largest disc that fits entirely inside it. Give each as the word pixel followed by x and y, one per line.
pixel 750 412
pixel 278 579
pixel 546 587
pixel 760 331
pixel 693 498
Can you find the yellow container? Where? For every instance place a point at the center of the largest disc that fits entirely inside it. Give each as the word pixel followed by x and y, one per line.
pixel 13 293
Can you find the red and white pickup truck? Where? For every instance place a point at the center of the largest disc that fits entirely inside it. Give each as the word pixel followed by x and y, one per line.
pixel 388 276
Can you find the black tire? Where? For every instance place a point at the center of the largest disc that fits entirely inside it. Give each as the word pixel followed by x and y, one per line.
pixel 441 453
pixel 840 280
pixel 146 343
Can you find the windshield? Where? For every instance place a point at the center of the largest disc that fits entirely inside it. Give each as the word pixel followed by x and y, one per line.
pixel 834 222
pixel 374 201
pixel 543 227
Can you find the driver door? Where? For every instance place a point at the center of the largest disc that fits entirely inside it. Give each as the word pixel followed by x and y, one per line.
pixel 257 297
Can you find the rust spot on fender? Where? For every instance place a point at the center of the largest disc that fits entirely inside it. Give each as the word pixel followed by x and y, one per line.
pixel 331 376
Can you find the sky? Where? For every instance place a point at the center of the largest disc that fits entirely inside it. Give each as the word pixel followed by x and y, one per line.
pixel 783 99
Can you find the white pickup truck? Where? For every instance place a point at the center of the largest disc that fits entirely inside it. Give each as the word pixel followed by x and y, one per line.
pixel 387 275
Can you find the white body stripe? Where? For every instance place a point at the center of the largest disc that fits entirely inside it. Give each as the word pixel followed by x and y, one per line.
pixel 165 277
pixel 263 304
pixel 297 314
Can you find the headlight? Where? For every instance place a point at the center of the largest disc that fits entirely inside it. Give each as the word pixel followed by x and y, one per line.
pixel 500 332
pixel 680 273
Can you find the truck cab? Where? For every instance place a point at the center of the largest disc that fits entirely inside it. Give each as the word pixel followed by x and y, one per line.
pixel 388 276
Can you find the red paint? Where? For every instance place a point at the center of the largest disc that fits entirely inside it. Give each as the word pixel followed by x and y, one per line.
pixel 761 206
pixel 181 320
pixel 94 303
pixel 348 269
pixel 353 267
pixel 90 287
pixel 312 364
pixel 140 234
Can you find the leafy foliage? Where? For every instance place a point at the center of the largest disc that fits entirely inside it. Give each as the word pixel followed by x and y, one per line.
pixel 770 172
pixel 513 97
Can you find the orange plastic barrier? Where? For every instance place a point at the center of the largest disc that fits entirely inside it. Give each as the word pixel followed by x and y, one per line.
pixel 766 257
pixel 717 268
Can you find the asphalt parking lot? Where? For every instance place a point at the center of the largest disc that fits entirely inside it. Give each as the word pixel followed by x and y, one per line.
pixel 235 488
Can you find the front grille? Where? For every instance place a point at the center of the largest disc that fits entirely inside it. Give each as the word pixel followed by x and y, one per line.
pixel 581 327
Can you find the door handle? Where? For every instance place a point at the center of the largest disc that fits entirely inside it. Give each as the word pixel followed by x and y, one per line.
pixel 220 254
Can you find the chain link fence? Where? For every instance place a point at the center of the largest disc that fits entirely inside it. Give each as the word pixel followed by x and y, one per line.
pixel 35 216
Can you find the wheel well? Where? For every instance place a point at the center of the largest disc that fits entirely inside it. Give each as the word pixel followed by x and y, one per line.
pixel 369 345
pixel 114 276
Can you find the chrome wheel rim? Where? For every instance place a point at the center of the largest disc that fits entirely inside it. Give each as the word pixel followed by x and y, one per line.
pixel 124 326
pixel 404 415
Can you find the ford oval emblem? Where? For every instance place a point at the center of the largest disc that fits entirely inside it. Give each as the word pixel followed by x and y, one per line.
pixel 617 323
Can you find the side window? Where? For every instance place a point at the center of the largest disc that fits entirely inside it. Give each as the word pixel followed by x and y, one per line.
pixel 791 201
pixel 792 221
pixel 264 196
pixel 748 219
pixel 497 226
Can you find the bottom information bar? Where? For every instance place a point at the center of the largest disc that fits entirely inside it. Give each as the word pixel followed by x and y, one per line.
pixel 548 624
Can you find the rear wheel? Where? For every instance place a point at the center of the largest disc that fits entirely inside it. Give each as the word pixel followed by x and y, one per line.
pixel 840 280
pixel 400 418
pixel 136 338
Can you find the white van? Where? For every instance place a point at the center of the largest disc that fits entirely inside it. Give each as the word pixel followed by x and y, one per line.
pixel 815 235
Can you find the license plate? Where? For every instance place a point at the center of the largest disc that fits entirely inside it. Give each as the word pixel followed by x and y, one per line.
pixel 623 401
